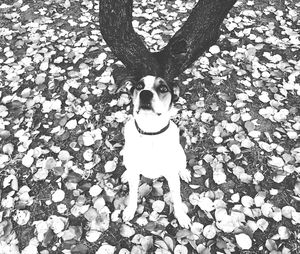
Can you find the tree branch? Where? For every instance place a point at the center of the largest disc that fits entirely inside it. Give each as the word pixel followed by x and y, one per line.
pixel 115 18
pixel 199 32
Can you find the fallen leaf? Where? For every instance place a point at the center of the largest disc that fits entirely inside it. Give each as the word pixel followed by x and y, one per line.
pixel 11 181
pixel 5 229
pixel 158 206
pixel 287 211
pixel 110 166
pixel 8 149
pixel 91 214
pixel 22 217
pixel 95 190
pixel 58 195
pixel 247 201
pixel 214 49
pixel 271 245
pixel 80 249
pixel 262 224
pixel 88 154
pixel 93 235
pixel 243 241
pixel 206 204
pixel 147 243
pixel 126 231
pixel 64 155
pixel 27 161
pixel 87 138
pixel 180 249
pixel 209 231
pixel 276 162
pixel 106 249
pixel 284 233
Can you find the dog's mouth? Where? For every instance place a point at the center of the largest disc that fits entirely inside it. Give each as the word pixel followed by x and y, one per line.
pixel 147 107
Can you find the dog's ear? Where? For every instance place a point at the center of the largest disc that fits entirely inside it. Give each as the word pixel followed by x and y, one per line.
pixel 126 86
pixel 175 91
pixel 123 80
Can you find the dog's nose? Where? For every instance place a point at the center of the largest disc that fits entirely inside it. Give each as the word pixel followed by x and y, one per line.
pixel 146 96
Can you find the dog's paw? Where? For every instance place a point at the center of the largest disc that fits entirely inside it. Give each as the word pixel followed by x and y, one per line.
pixel 185 175
pixel 180 212
pixel 129 212
pixel 125 177
pixel 183 219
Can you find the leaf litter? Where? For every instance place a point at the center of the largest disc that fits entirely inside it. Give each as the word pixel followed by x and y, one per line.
pixel 60 133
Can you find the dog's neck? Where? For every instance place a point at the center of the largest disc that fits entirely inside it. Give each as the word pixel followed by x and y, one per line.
pixel 151 124
pixel 151 133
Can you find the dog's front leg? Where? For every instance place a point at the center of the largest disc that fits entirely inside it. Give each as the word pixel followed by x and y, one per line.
pixel 129 211
pixel 180 210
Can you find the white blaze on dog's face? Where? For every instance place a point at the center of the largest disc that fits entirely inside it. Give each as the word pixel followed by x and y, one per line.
pixel 152 100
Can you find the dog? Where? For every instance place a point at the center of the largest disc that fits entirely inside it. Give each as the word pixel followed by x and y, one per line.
pixel 152 146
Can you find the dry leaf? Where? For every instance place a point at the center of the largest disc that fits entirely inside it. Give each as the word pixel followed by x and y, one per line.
pixel 214 49
pixel 126 231
pixel 287 211
pixel 58 195
pixel 262 224
pixel 95 190
pixel 243 241
pixel 180 249
pixel 247 201
pixel 206 204
pixel 27 161
pixel 93 235
pixel 91 214
pixel 106 249
pixel 110 166
pixel 209 231
pixel 158 206
pixel 284 233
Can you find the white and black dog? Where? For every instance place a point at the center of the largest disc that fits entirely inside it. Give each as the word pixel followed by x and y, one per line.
pixel 152 146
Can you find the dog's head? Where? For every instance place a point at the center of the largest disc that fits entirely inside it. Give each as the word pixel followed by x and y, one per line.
pixel 152 99
pixel 152 95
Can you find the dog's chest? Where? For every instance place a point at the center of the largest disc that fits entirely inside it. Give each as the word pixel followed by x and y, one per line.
pixel 153 156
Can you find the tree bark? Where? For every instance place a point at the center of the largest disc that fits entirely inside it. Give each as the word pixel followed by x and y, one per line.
pixel 115 18
pixel 199 32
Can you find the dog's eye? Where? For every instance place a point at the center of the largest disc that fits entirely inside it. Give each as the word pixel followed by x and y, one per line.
pixel 163 89
pixel 139 86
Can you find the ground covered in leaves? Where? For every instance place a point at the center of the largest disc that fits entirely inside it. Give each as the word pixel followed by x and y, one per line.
pixel 61 133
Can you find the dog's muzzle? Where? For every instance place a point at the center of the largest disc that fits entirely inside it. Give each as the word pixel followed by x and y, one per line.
pixel 145 99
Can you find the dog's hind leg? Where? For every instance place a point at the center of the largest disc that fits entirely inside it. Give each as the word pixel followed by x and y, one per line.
pixel 185 175
pixel 125 177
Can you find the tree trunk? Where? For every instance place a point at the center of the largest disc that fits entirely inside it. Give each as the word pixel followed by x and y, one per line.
pixel 116 28
pixel 199 32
